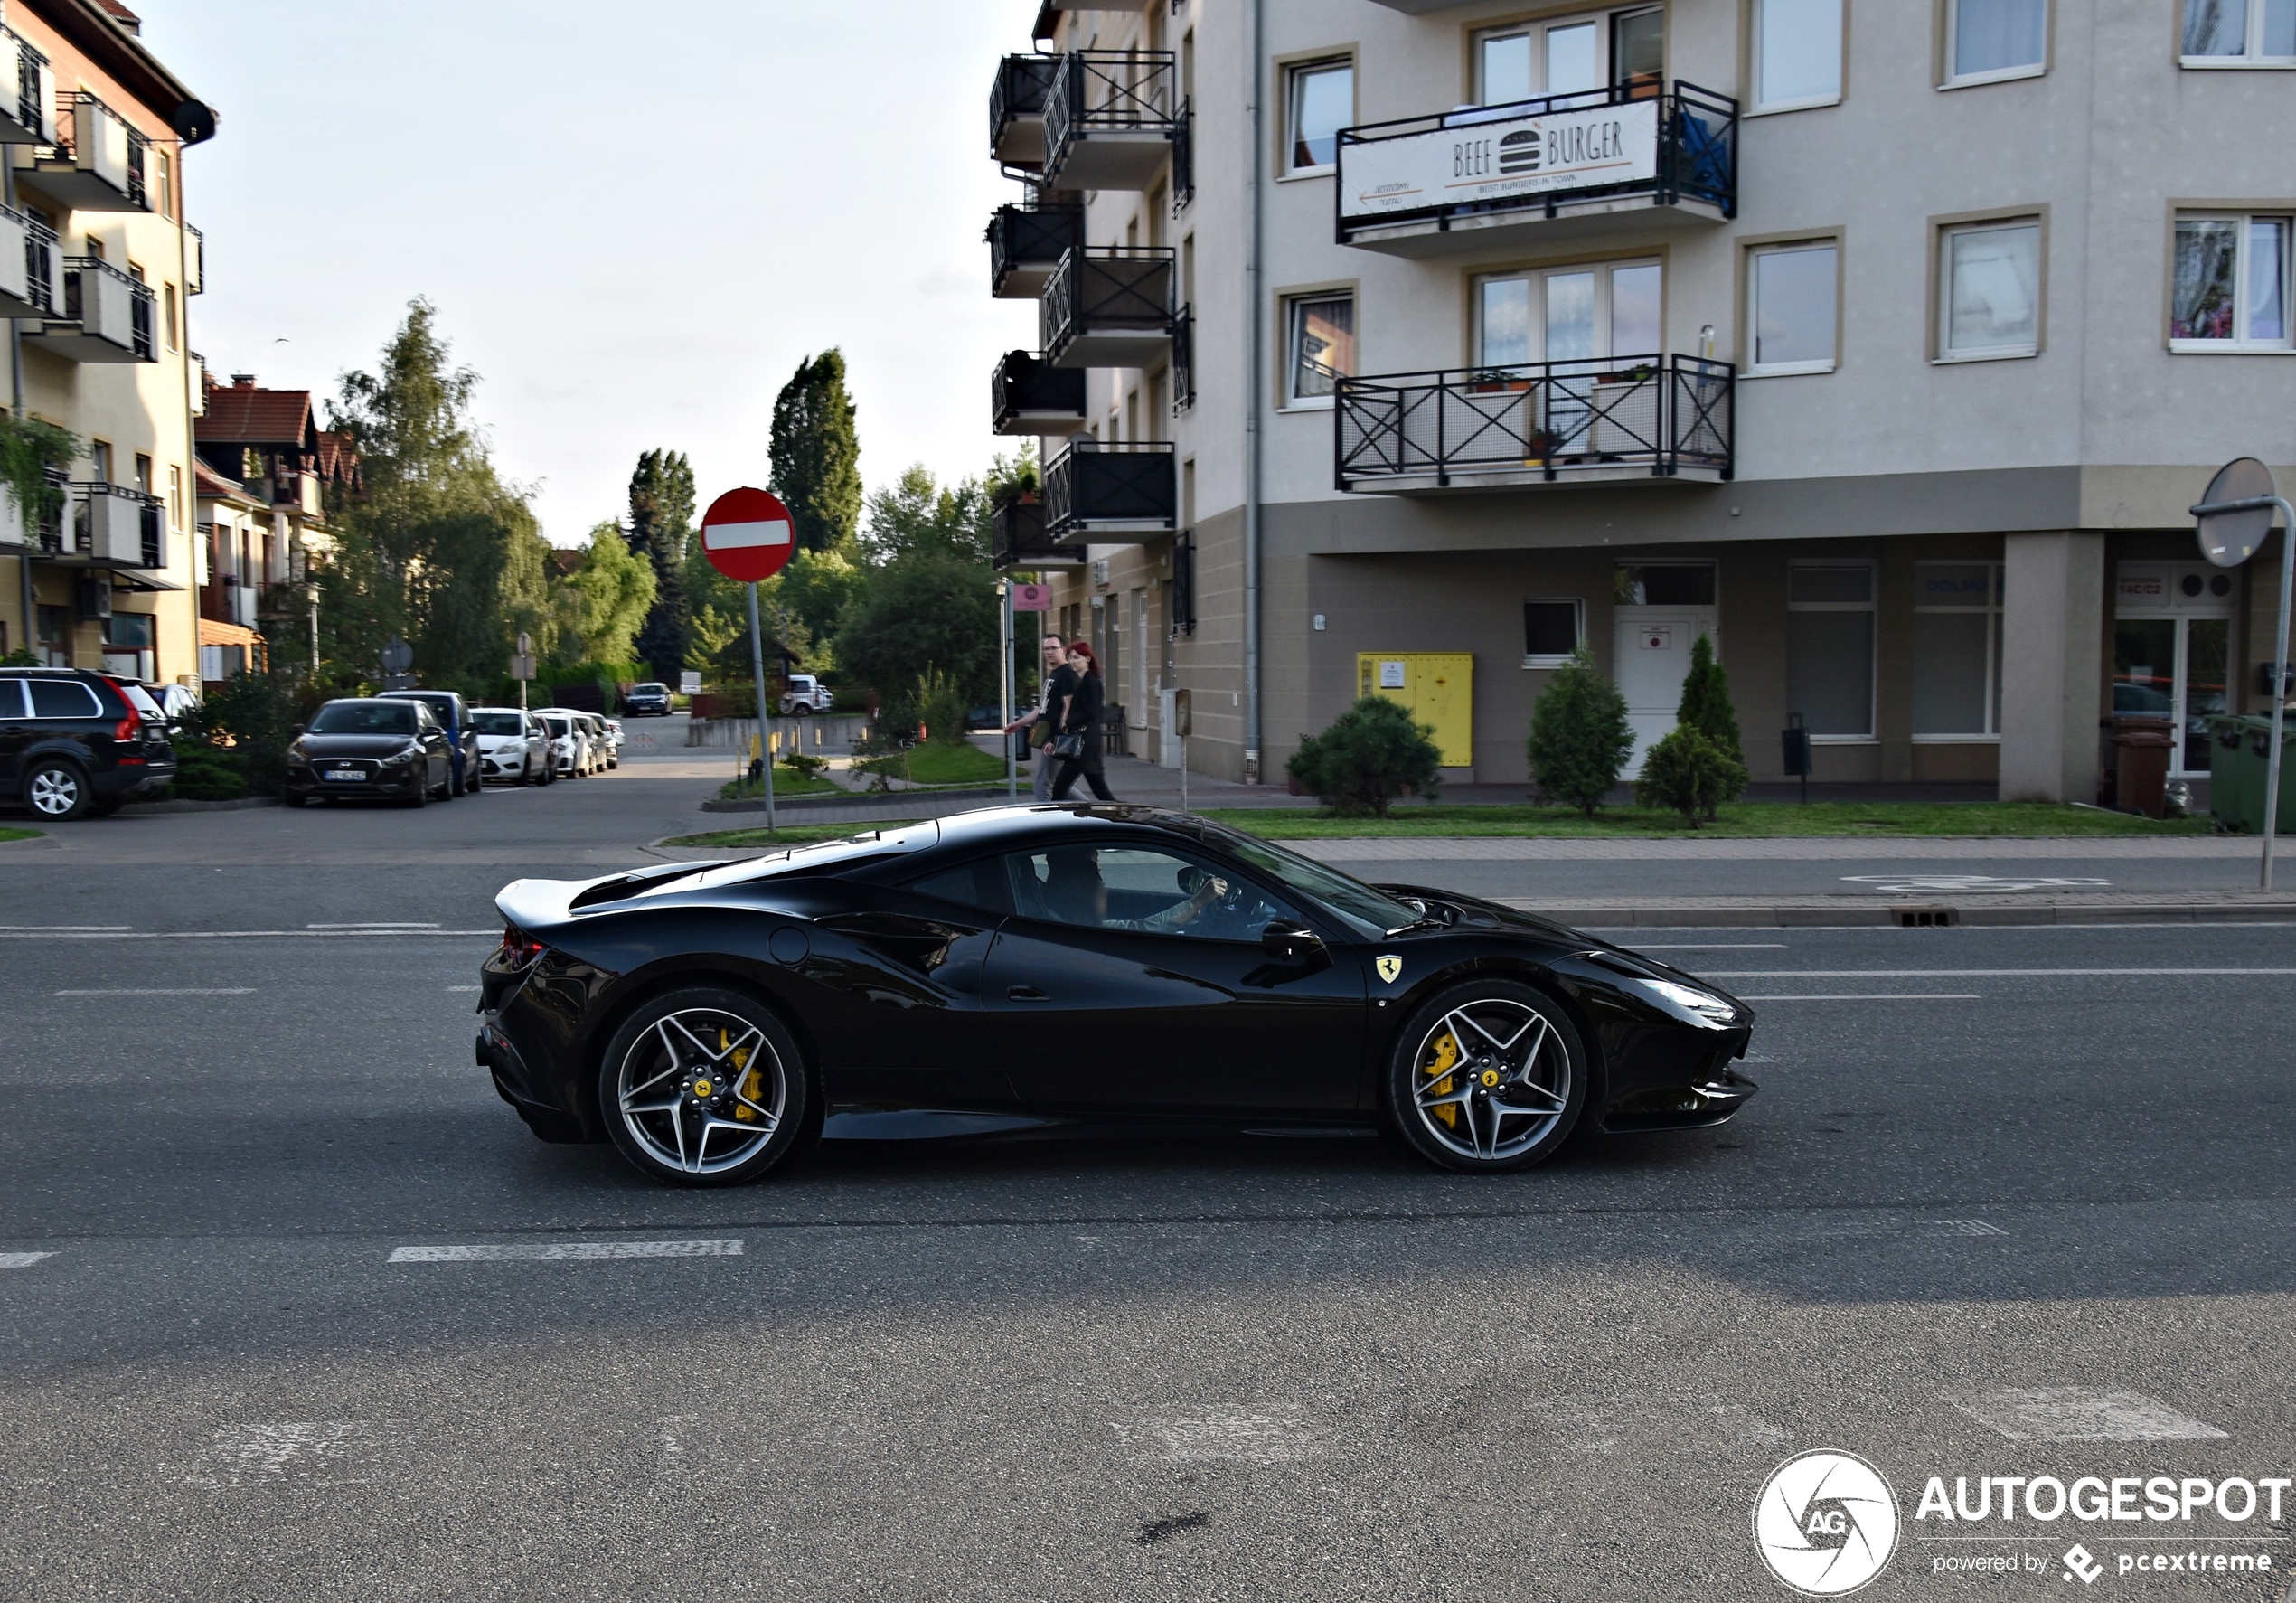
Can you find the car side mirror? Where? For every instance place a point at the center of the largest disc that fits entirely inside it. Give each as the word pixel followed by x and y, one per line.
pixel 1290 943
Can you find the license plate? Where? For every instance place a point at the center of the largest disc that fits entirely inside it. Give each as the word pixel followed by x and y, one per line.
pixel 343 773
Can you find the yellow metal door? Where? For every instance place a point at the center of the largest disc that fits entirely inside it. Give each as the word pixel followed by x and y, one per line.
pixel 1438 687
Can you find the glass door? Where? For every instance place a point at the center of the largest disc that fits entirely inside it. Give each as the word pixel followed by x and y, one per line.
pixel 2176 670
pixel 1598 329
pixel 1572 56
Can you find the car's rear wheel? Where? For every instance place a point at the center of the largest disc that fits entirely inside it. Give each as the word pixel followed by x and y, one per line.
pixel 703 1086
pixel 1487 1078
pixel 56 790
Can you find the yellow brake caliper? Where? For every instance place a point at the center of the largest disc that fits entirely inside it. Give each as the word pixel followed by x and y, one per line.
pixel 1446 1056
pixel 751 1084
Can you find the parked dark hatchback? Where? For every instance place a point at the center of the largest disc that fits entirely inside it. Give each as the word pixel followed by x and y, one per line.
pixel 72 743
pixel 453 714
pixel 366 746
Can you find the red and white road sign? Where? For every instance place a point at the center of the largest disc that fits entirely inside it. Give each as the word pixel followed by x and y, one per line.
pixel 747 535
pixel 1031 598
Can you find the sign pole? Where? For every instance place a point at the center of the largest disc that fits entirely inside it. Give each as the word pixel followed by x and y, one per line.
pixel 1004 686
pixel 749 535
pixel 757 667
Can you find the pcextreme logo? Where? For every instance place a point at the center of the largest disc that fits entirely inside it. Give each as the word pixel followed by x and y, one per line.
pixel 1826 1523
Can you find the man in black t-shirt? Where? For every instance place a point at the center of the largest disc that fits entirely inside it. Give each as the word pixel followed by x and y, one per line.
pixel 1047 713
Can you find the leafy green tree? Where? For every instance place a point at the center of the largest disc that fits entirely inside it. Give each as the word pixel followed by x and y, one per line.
pixel 602 604
pixel 816 453
pixel 924 612
pixel 1579 736
pixel 661 528
pixel 1690 774
pixel 1370 755
pixel 918 515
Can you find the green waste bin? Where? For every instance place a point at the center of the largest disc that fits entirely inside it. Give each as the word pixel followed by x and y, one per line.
pixel 2236 772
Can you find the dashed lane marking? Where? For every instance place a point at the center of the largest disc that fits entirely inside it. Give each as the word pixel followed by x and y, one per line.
pixel 565 1251
pixel 1879 996
pixel 165 991
pixel 1716 945
pixel 376 924
pixel 1842 974
pixel 21 1260
pixel 225 934
pixel 2080 1413
pixel 67 928
pixel 466 987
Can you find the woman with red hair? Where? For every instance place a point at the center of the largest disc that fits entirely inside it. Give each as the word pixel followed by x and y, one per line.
pixel 1080 719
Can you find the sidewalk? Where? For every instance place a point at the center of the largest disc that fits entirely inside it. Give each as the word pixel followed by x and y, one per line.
pixel 1784 912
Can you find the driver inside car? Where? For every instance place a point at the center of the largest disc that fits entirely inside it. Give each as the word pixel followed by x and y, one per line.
pixel 1078 895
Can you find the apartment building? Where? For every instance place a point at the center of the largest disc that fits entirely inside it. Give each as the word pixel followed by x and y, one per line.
pixel 1403 346
pixel 97 267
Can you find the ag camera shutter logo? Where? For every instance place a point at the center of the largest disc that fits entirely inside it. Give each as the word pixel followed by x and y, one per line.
pixel 1826 1523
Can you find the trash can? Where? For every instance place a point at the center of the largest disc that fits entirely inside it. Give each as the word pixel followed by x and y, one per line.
pixel 2236 772
pixel 2140 764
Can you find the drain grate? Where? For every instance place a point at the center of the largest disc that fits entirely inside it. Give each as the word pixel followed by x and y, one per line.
pixel 1925 917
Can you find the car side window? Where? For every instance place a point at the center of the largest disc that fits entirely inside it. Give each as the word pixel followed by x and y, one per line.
pixel 1143 890
pixel 981 885
pixel 62 698
pixel 11 698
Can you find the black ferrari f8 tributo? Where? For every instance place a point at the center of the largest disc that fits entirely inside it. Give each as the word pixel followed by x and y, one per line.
pixel 1024 966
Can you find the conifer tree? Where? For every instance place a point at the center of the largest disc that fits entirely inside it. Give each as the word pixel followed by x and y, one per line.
pixel 661 529
pixel 816 453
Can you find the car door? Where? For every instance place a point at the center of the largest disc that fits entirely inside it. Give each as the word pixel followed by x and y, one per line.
pixel 1112 997
pixel 15 734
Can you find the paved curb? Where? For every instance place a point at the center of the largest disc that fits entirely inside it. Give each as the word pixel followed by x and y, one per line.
pixel 864 798
pixel 234 805
pixel 1754 912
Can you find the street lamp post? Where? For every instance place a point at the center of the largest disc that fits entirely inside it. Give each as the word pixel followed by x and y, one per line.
pixel 2235 519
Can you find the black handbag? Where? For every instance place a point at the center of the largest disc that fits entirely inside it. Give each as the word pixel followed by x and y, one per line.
pixel 1067 747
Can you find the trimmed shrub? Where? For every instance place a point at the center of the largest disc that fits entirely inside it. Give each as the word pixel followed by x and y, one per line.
pixel 206 773
pixel 1371 754
pixel 1690 774
pixel 1579 736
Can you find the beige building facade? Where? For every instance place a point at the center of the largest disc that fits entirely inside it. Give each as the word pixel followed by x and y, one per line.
pixel 1884 343
pixel 95 131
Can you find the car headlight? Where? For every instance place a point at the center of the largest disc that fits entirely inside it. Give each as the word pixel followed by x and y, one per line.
pixel 297 752
pixel 1702 1008
pixel 402 757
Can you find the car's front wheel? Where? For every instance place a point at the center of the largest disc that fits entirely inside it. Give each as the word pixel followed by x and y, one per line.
pixel 703 1086
pixel 56 790
pixel 1487 1078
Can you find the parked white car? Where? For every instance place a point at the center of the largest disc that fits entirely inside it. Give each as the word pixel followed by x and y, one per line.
pixel 807 694
pixel 569 747
pixel 512 746
pixel 613 741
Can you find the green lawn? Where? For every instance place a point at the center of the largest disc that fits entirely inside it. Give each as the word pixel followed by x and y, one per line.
pixel 1744 819
pixel 789 834
pixel 18 835
pixel 937 763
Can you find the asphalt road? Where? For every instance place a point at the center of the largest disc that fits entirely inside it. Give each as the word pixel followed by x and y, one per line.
pixel 1983 1192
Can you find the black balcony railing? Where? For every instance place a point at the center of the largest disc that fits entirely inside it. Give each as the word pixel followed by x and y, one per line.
pixel 1183 157
pixel 1551 419
pixel 47 521
pixel 1535 156
pixel 1113 289
pixel 1094 488
pixel 31 106
pixel 1184 361
pixel 1025 386
pixel 139 323
pixel 1020 540
pixel 1023 240
pixel 39 248
pixel 1018 93
pixel 1181 606
pixel 152 520
pixel 1109 92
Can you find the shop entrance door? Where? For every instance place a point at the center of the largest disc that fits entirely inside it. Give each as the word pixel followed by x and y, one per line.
pixel 1660 610
pixel 2173 652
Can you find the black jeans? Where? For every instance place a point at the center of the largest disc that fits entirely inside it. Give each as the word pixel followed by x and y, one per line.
pixel 1071 768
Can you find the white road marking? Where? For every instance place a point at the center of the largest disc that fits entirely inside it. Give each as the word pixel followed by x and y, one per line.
pixel 1715 945
pixel 1232 1434
pixel 466 987
pixel 1963 1227
pixel 226 934
pixel 2080 1413
pixel 21 1260
pixel 1840 974
pixel 67 928
pixel 1879 996
pixel 296 1449
pixel 165 991
pixel 561 1252
pixel 374 924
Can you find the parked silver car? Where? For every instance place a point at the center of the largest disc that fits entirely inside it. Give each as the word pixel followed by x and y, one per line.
pixel 569 745
pixel 512 746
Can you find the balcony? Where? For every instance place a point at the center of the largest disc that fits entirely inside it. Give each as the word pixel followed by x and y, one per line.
pixel 1016 109
pixel 1627 157
pixel 106 315
pixel 1020 540
pixel 99 160
pixel 1025 245
pixel 114 526
pixel 28 117
pixel 1109 306
pixel 1111 120
pixel 1113 494
pixel 194 261
pixel 1027 396
pixel 47 531
pixel 1183 362
pixel 31 267
pixel 1634 418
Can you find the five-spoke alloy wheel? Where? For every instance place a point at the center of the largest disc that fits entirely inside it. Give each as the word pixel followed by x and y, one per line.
pixel 703 1087
pixel 1487 1077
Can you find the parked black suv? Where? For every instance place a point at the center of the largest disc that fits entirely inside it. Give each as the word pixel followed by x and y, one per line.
pixel 72 743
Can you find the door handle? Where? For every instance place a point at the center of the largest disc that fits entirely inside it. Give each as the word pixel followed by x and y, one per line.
pixel 1026 994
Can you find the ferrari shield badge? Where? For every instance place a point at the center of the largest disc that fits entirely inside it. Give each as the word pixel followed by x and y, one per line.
pixel 1389 966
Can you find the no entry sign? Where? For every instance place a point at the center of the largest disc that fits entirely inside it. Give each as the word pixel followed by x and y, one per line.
pixel 747 534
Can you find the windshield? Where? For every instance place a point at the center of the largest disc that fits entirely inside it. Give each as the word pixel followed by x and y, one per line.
pixel 363 718
pixel 1370 912
pixel 442 706
pixel 557 726
pixel 498 724
pixel 649 690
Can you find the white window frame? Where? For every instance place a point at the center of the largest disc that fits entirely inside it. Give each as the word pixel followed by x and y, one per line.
pixel 1536 279
pixel 2251 58
pixel 1944 310
pixel 1991 611
pixel 1577 605
pixel 1869 606
pixel 1757 370
pixel 1758 107
pixel 2240 342
pixel 1952 80
pixel 1294 309
pixel 1295 74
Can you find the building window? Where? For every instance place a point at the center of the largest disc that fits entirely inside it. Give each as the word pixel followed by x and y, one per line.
pixel 1797 53
pixel 164 181
pixel 2230 290
pixel 1571 55
pixel 1957 651
pixel 1319 101
pixel 1830 648
pixel 142 472
pixel 1793 291
pixel 1320 348
pixel 1990 281
pixel 55 636
pixel 1988 40
pixel 174 496
pixel 1552 630
pixel 175 341
pixel 2240 33
pixel 1578 314
pixel 99 460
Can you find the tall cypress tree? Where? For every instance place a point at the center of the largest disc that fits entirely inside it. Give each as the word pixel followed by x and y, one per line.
pixel 660 527
pixel 1706 700
pixel 816 453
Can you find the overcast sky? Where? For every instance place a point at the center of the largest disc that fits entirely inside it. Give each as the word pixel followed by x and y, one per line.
pixel 634 221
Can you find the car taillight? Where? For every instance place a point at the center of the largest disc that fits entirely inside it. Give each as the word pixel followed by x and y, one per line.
pixel 128 728
pixel 519 950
